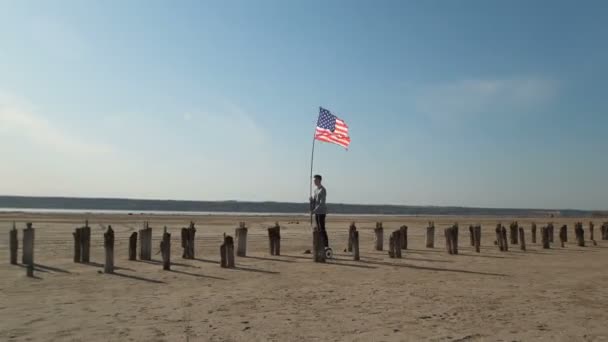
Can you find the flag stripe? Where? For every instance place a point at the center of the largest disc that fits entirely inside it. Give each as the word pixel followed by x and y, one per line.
pixel 331 129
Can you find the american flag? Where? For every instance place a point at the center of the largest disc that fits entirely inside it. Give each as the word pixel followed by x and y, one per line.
pixel 331 129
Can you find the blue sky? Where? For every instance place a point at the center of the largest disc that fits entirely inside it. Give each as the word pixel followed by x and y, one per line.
pixel 472 103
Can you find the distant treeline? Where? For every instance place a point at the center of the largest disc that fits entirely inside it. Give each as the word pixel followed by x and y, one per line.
pixel 71 203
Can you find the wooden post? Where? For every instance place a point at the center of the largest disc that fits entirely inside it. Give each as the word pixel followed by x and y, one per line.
pixel 544 235
pixel 451 239
pixel 165 250
pixel 188 241
pixel 563 235
pixel 551 232
pixel 77 244
pixel 395 244
pixel 227 252
pixel 430 235
pixel 580 234
pixel 14 244
pixel 522 239
pixel 28 249
pixel 605 231
pixel 513 231
pixel 133 246
pixel 85 246
pixel 108 244
pixel 499 237
pixel 591 236
pixel 145 242
pixel 318 246
pixel 274 239
pixel 241 240
pixel 505 243
pixel 356 245
pixel 472 235
pixel 351 230
pixel 403 237
pixel 533 232
pixel 448 236
pixel 477 236
pixel 379 236
pixel 455 239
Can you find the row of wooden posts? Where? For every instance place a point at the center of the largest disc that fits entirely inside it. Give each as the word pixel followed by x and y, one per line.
pixel 398 241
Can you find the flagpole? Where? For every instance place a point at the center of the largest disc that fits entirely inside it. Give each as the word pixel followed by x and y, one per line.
pixel 312 158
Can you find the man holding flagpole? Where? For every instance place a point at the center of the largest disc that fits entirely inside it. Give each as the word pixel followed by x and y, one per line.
pixel 333 130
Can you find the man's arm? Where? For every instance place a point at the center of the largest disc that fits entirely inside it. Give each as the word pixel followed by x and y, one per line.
pixel 321 200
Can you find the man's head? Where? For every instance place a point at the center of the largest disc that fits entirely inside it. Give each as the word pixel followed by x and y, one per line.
pixel 317 180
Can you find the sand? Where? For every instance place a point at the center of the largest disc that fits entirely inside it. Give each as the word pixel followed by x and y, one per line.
pixel 538 295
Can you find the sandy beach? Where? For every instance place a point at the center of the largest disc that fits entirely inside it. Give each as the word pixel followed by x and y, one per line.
pixel 537 295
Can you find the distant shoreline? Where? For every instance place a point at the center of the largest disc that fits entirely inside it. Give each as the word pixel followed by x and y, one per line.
pixel 224 208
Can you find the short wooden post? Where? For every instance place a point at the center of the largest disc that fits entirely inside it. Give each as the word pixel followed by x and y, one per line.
pixel 14 245
pixel 448 236
pixel 318 246
pixel 472 235
pixel 513 232
pixel 551 232
pixel 85 245
pixel 379 236
pixel 165 250
pixel 356 245
pixel 77 244
pixel 477 237
pixel 451 239
pixel 563 235
pixel 395 244
pixel 241 240
pixel 188 240
pixel 351 231
pixel 591 235
pixel 455 239
pixel 108 244
pixel 227 252
pixel 580 234
pixel 533 232
pixel 544 236
pixel 430 235
pixel 498 241
pixel 605 231
pixel 274 239
pixel 403 237
pixel 522 239
pixel 133 246
pixel 28 249
pixel 145 242
pixel 505 243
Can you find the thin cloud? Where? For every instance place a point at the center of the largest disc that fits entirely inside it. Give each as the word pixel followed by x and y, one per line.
pixel 476 97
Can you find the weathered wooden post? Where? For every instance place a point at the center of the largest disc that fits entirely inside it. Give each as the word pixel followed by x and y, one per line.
pixel 472 235
pixel 451 239
pixel 108 244
pixel 318 246
pixel 403 237
pixel 533 232
pixel 605 231
pixel 563 235
pixel 379 233
pixel 351 231
pixel 551 232
pixel 28 249
pixel 544 236
pixel 14 244
pixel 456 236
pixel 227 252
pixel 499 237
pixel 188 239
pixel 505 242
pixel 356 245
pixel 591 235
pixel 522 239
pixel 580 234
pixel 274 239
pixel 133 246
pixel 77 244
pixel 448 237
pixel 241 240
pixel 145 242
pixel 477 237
pixel 165 250
pixel 430 235
pixel 395 244
pixel 85 246
pixel 513 231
